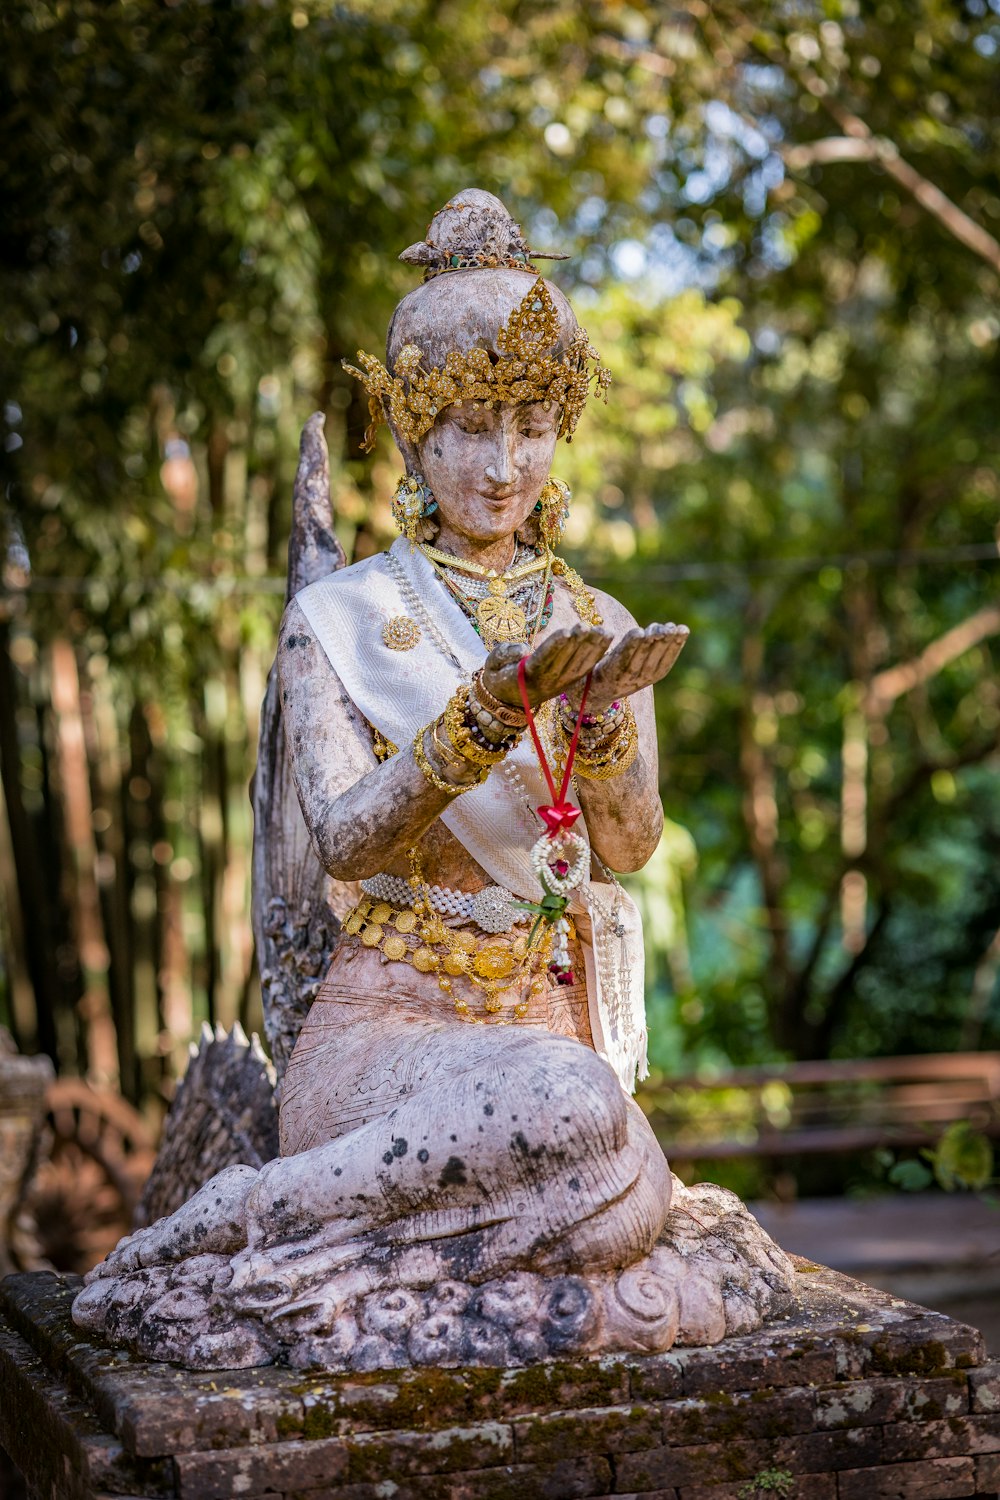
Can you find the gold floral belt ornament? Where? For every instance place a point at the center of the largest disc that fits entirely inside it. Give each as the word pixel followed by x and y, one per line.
pixel 493 963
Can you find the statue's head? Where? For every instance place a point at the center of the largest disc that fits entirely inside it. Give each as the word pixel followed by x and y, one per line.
pixel 486 368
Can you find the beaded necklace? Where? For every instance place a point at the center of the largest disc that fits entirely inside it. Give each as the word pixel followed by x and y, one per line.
pixel 498 605
pixel 531 600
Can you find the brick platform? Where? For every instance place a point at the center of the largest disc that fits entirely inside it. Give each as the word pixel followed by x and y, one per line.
pixel 852 1395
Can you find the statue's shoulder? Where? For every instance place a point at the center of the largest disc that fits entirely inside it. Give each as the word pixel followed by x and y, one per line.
pixel 616 616
pixel 359 577
pixel 344 607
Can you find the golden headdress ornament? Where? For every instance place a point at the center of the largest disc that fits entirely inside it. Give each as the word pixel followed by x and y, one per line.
pixel 525 367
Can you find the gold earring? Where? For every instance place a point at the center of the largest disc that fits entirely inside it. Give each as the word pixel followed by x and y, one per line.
pixel 553 510
pixel 411 502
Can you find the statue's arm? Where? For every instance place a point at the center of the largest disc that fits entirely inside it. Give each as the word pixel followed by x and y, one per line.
pixel 360 815
pixel 624 815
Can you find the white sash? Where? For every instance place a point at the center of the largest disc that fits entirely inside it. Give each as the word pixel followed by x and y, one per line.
pixel 398 692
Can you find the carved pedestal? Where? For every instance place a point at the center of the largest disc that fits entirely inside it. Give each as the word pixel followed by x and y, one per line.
pixel 850 1395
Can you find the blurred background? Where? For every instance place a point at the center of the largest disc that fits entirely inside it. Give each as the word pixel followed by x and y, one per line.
pixel 784 224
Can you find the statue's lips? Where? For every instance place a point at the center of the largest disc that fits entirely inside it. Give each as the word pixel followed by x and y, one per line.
pixel 496 502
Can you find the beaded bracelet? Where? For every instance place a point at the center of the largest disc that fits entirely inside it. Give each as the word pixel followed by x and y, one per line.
pixel 589 723
pixel 613 754
pixel 485 725
pixel 466 740
pixel 514 718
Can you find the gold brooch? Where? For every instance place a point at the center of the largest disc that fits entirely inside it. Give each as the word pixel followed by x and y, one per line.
pixel 401 633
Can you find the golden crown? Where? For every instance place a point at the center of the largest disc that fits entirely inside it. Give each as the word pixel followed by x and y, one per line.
pixel 414 396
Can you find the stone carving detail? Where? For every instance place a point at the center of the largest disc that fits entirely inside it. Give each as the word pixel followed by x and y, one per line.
pixel 714 1273
pixel 295 904
pixel 223 1113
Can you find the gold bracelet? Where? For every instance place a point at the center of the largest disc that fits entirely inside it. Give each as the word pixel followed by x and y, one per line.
pixel 448 756
pixel 436 781
pixel 461 737
pixel 514 718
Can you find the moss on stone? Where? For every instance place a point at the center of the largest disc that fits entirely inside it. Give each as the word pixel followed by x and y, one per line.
pixel 923 1359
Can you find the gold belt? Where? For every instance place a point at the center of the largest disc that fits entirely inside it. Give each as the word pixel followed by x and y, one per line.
pixel 492 962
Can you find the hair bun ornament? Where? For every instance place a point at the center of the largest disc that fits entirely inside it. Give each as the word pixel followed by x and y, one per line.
pixel 474 232
pixel 540 354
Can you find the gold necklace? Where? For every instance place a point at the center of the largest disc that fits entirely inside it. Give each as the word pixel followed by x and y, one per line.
pixel 498 617
pixel 509 574
pixel 583 600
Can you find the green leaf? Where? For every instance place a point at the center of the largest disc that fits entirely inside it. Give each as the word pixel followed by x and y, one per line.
pixel 911 1176
pixel 963 1158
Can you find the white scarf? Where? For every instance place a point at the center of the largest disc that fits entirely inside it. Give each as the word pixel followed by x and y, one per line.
pixel 399 692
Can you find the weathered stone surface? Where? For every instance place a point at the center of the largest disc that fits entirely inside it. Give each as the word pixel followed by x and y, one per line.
pixel 764 1413
pixel 828 1452
pixel 53 1434
pixel 177 1291
pixel 984 1388
pixel 91 1424
pixel 931 1479
pixel 988 1474
pixel 875 1399
pixel 274 1466
pixel 224 1112
pixel 777 1358
pixel 570 1479
pixel 806 1487
pixel 610 1429
pixel 950 1439
pixel 702 1464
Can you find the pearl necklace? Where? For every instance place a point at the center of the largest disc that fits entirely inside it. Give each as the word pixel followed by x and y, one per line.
pixel 415 604
pixel 498 616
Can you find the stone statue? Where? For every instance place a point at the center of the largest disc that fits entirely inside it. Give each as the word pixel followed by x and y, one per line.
pixel 464 1176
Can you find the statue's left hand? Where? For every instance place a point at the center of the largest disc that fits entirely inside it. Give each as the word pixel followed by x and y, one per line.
pixel 640 658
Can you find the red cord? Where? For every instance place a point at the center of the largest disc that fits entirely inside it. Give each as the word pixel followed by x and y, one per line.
pixel 558 799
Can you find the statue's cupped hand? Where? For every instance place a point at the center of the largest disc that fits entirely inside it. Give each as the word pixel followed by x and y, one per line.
pixel 561 660
pixel 641 658
pixel 561 663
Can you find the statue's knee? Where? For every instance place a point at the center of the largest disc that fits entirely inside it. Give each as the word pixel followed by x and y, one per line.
pixel 573 1091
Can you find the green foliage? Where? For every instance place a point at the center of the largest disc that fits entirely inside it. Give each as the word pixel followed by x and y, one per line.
pixel 961 1161
pixel 910 1176
pixel 963 1158
pixel 767 1482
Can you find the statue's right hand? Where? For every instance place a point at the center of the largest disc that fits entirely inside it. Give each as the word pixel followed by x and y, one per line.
pixel 552 667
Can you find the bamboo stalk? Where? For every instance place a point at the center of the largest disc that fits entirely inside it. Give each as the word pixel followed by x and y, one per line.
pixel 95 1005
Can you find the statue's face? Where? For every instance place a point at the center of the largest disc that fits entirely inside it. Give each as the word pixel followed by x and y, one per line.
pixel 486 468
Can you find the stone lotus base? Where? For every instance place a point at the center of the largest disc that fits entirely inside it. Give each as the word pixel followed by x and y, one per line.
pixel 713 1272
pixel 848 1395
